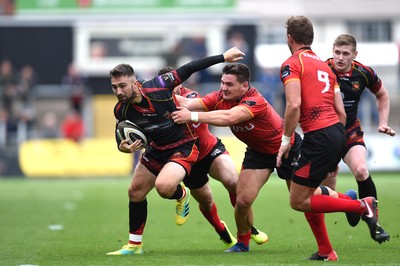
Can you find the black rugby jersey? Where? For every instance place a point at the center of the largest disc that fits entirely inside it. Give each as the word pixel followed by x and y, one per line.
pixel 352 84
pixel 153 114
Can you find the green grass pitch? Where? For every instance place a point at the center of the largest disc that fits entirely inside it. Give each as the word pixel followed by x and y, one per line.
pixel 76 222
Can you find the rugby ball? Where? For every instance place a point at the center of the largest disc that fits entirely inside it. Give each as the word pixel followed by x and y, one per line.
pixel 128 129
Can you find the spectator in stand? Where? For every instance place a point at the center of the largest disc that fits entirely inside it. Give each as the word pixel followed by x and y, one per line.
pixel 7 74
pixel 73 127
pixel 9 102
pixel 77 84
pixel 49 128
pixel 27 80
pixel 15 102
pixel 272 88
pixel 7 7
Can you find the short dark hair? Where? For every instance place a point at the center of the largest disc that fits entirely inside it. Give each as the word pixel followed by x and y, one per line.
pixel 300 29
pixel 165 70
pixel 122 70
pixel 241 71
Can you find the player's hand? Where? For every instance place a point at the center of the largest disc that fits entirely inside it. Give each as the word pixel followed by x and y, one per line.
pixel 283 152
pixel 181 116
pixel 233 55
pixel 387 130
pixel 127 147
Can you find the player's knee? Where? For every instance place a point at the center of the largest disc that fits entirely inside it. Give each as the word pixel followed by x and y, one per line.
pixel 135 194
pixel 361 172
pixel 165 190
pixel 243 203
pixel 230 185
pixel 295 204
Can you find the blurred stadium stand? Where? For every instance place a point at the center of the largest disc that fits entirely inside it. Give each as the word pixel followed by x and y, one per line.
pixel 49 35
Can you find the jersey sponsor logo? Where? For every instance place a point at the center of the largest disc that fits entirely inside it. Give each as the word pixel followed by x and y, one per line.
pixel 192 95
pixel 216 152
pixel 177 155
pixel 355 85
pixel 369 210
pixel 196 125
pixel 145 158
pixel 165 78
pixel 244 128
pixel 249 103
pixel 313 56
pixel 144 110
pixel 285 71
pixel 167 115
pixel 168 76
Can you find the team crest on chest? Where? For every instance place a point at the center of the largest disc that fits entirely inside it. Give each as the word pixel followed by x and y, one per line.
pixel 355 85
pixel 249 103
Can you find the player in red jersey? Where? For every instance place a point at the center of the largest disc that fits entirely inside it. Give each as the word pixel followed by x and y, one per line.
pixel 173 148
pixel 354 78
pixel 253 121
pixel 313 99
pixel 214 160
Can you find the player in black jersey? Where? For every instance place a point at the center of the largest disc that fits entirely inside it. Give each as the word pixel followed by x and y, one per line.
pixel 173 148
pixel 354 78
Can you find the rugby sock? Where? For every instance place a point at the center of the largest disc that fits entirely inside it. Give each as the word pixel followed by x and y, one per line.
pixel 232 198
pixel 179 193
pixel 137 221
pixel 244 238
pixel 366 188
pixel 213 218
pixel 325 204
pixel 318 227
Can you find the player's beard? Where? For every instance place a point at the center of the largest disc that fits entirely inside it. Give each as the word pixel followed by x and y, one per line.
pixel 126 99
pixel 133 97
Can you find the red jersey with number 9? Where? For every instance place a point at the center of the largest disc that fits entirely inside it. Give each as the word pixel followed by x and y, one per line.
pixel 318 85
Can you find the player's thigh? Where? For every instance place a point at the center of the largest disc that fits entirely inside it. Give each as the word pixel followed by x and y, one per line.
pixel 250 182
pixel 223 169
pixel 142 182
pixel 169 177
pixel 356 158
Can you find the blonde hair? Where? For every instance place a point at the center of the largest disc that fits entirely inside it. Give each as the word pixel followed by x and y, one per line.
pixel 345 39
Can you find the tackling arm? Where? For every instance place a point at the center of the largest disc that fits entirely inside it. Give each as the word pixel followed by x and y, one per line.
pixel 221 118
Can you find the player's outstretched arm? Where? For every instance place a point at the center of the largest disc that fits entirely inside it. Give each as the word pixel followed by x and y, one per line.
pixel 233 55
